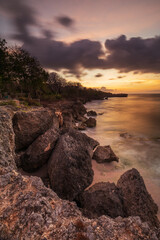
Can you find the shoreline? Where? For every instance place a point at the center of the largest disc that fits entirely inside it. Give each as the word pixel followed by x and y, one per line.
pixel 70 139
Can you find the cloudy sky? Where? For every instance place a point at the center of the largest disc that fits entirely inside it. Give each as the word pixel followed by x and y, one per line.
pixel 102 43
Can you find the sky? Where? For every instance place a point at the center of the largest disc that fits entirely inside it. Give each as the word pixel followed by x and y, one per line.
pixel 113 44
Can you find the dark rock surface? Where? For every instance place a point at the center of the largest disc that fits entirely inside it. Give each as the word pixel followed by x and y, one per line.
pixel 137 200
pixel 40 150
pixel 68 120
pixel 70 169
pixel 103 198
pixel 82 126
pixel 91 113
pixel 30 211
pixel 90 122
pixel 104 154
pixel 7 145
pixel 28 125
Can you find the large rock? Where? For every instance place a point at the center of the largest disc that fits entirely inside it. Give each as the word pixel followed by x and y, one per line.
pixel 78 109
pixel 104 154
pixel 90 122
pixel 30 211
pixel 39 151
pixel 29 125
pixel 103 198
pixel 7 144
pixel 91 113
pixel 70 169
pixel 68 120
pixel 137 200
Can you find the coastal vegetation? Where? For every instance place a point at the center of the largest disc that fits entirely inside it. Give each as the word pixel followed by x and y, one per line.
pixel 23 77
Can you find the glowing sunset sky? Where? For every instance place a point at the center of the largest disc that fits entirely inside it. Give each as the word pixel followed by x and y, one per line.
pixel 109 43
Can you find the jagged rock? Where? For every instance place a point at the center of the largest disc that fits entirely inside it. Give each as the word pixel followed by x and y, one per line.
pixel 82 126
pixel 29 125
pixel 91 113
pixel 103 198
pixel 78 109
pixel 137 200
pixel 90 122
pixel 70 169
pixel 68 120
pixel 104 154
pixel 29 210
pixel 7 145
pixel 40 150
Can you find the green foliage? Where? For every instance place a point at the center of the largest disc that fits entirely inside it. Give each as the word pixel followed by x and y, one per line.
pixel 9 102
pixel 20 72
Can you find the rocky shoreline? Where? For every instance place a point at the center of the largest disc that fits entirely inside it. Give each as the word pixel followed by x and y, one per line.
pixel 58 203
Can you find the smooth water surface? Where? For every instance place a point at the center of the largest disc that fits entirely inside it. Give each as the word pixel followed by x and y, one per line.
pixel 132 127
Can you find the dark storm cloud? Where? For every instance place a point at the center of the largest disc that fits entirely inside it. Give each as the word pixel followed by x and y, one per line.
pixel 22 16
pixel 82 54
pixel 65 21
pixel 47 33
pixel 98 75
pixel 135 54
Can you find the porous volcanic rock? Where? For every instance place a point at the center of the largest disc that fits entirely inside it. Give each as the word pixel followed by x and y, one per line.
pixel 78 109
pixel 137 200
pixel 7 144
pixel 70 169
pixel 90 122
pixel 91 113
pixel 104 154
pixel 103 198
pixel 68 120
pixel 30 211
pixel 39 151
pixel 30 124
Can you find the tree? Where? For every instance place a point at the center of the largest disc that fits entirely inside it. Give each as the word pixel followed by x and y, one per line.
pixel 56 82
pixel 27 72
pixel 4 66
pixel 19 71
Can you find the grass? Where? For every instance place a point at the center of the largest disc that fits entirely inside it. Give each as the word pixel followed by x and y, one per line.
pixel 8 102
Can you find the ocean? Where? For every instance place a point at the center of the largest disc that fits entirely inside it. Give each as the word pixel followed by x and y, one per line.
pixel 131 126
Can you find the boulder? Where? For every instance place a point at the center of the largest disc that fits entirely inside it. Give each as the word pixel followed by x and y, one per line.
pixel 29 125
pixel 78 109
pixel 90 122
pixel 104 154
pixel 70 169
pixel 91 113
pixel 68 120
pixel 137 200
pixel 39 151
pixel 82 126
pixel 7 144
pixel 103 198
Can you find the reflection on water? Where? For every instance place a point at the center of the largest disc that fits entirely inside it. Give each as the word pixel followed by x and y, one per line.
pixel 132 127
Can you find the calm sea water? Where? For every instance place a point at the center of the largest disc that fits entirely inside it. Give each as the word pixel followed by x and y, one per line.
pixel 131 126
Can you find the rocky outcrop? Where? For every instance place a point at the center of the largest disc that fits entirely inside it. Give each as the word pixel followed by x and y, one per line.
pixel 40 150
pixel 90 122
pixel 28 125
pixel 7 145
pixel 104 154
pixel 30 211
pixel 137 200
pixel 91 113
pixel 68 120
pixel 103 198
pixel 70 169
